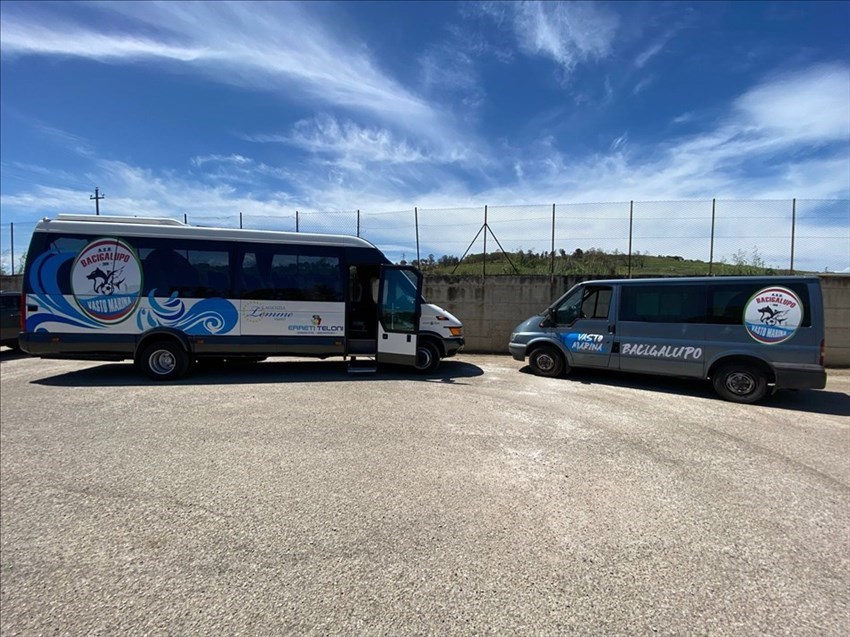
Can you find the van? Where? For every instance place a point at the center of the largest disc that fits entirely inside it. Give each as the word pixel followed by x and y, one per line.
pixel 10 318
pixel 747 335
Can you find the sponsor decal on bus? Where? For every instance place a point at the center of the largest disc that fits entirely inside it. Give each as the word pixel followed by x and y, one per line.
pixel 773 315
pixel 106 280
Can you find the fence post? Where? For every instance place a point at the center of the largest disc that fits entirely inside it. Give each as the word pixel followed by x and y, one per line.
pixel 711 250
pixel 12 232
pixel 358 223
pixel 486 229
pixel 416 225
pixel 631 222
pixel 793 229
pixel 552 266
pixel 185 218
pixel 296 221
pixel 240 220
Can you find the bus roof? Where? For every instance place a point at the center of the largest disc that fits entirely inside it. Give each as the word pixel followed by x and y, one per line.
pixel 175 229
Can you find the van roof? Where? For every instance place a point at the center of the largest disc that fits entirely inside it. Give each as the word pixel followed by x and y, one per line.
pixel 173 228
pixel 705 279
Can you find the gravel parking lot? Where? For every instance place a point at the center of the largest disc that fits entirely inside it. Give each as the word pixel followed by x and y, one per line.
pixel 289 497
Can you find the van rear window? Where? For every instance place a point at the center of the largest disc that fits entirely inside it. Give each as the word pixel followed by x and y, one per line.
pixel 716 304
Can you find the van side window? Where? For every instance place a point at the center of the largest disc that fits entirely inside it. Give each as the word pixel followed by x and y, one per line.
pixel 586 303
pixel 662 304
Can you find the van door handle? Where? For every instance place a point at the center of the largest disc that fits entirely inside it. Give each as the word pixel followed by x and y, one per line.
pixel 612 329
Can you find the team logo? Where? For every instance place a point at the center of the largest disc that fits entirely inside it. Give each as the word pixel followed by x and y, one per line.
pixel 316 320
pixel 773 315
pixel 106 280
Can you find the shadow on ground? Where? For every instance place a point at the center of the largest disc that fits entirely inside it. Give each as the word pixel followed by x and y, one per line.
pixel 272 371
pixel 817 401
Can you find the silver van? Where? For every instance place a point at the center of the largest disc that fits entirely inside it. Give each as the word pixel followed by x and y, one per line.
pixel 747 335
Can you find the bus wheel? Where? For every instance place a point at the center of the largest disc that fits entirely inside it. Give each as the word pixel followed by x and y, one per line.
pixel 427 357
pixel 164 360
pixel 740 383
pixel 547 361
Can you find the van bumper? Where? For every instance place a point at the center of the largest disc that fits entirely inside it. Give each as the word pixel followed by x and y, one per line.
pixel 517 350
pixel 799 376
pixel 453 345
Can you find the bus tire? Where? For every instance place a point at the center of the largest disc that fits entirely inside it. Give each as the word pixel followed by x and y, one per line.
pixel 164 360
pixel 740 383
pixel 547 360
pixel 427 357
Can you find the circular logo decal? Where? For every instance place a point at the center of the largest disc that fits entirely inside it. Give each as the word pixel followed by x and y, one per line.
pixel 106 280
pixel 772 315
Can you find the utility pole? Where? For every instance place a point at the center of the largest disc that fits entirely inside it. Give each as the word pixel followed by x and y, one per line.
pixel 96 197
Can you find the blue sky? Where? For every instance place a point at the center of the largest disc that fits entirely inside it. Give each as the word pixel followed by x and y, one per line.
pixel 211 109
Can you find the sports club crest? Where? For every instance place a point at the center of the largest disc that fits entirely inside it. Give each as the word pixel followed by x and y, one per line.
pixel 106 280
pixel 773 315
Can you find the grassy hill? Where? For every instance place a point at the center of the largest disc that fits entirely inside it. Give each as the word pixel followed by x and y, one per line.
pixel 592 261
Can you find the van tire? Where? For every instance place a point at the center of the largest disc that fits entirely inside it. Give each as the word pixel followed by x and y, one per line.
pixel 740 383
pixel 547 361
pixel 164 360
pixel 427 357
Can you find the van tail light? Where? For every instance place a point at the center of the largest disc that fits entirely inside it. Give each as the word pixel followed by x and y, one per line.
pixel 822 351
pixel 23 311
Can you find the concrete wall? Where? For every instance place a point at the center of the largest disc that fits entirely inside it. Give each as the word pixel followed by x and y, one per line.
pixel 491 307
pixel 9 283
pixel 836 307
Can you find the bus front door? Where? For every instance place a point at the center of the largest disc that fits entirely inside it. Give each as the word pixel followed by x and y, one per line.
pixel 398 314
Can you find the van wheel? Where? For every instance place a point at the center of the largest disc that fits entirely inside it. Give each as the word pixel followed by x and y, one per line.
pixel 547 361
pixel 740 383
pixel 427 357
pixel 164 360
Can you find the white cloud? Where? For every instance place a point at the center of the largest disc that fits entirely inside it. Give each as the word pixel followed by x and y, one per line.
pixel 277 47
pixel 568 33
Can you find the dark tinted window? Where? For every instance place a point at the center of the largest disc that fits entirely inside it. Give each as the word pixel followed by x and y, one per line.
pixel 663 303
pixel 68 246
pixel 193 269
pixel 290 273
pixel 726 301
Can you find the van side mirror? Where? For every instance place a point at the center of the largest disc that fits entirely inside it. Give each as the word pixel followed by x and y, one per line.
pixel 548 318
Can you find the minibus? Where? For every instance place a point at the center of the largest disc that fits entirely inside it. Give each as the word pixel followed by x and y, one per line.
pixel 167 295
pixel 747 335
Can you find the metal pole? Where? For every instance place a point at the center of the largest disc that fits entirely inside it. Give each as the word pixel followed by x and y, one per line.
pixel 240 220
pixel 97 197
pixel 296 221
pixel 358 223
pixel 486 228
pixel 185 218
pixel 631 223
pixel 711 254
pixel 416 224
pixel 552 266
pixel 793 229
pixel 12 226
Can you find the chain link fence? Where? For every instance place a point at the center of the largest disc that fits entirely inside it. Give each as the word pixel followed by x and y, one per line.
pixel 621 238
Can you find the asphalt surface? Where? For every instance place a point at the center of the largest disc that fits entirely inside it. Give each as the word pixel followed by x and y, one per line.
pixel 291 498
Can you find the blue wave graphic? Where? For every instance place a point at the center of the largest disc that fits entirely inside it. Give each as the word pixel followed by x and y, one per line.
pixel 210 316
pixel 44 282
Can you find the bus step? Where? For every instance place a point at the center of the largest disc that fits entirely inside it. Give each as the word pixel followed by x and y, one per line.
pixel 362 366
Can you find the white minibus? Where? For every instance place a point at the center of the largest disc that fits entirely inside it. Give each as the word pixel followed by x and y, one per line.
pixel 167 295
